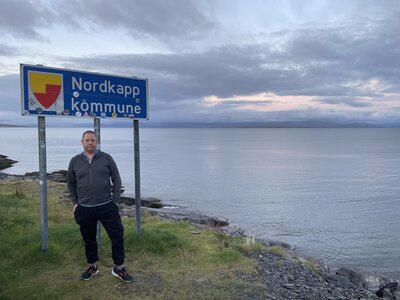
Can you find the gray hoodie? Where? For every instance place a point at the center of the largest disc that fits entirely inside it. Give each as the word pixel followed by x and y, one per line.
pixel 89 182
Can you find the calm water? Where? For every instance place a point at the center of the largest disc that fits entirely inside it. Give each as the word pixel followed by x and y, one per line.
pixel 332 193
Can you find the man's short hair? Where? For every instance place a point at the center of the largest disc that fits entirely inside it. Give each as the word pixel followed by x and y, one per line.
pixel 89 132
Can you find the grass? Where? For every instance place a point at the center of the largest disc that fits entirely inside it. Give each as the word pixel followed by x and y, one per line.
pixel 278 250
pixel 312 266
pixel 167 260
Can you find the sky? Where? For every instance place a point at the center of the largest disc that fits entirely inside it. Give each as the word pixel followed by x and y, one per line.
pixel 217 60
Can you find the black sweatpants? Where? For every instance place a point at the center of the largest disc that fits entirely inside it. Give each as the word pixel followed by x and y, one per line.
pixel 109 217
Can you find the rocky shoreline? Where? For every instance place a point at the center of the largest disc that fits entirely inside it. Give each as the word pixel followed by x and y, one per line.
pixel 280 276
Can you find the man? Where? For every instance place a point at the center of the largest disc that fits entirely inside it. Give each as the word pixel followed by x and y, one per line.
pixel 89 185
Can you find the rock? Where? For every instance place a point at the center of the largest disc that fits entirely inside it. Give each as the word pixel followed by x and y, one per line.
pixel 373 296
pixel 5 176
pixel 32 175
pixel 332 279
pixel 354 277
pixel 193 218
pixel 58 176
pixel 232 230
pixel 286 278
pixel 387 294
pixel 389 290
pixel 145 202
pixel 6 162
pixel 288 286
pixel 368 282
pixel 280 244
pixel 217 222
pixel 374 282
pixel 343 282
pixel 196 219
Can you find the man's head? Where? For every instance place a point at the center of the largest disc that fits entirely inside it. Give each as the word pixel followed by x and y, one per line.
pixel 89 141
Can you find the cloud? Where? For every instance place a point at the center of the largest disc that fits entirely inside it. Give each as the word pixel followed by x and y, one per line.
pixel 155 19
pixel 242 102
pixel 10 93
pixel 6 50
pixel 350 101
pixel 337 64
pixel 23 18
pixel 328 67
pixel 240 70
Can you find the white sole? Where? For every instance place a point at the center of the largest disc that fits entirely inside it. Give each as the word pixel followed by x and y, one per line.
pixel 116 275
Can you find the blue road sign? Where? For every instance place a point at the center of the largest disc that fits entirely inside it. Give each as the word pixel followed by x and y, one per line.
pixel 60 92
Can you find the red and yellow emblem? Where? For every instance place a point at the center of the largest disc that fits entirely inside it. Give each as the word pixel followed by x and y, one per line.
pixel 46 87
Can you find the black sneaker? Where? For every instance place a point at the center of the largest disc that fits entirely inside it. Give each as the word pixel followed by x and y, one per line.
pixel 122 274
pixel 89 273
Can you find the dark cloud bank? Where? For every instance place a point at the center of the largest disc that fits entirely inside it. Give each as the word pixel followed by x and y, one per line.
pixel 319 62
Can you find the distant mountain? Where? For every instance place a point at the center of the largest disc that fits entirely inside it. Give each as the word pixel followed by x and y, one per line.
pixel 9 125
pixel 288 124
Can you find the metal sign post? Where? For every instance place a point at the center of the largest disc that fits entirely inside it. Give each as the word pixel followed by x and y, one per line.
pixel 59 92
pixel 97 131
pixel 44 246
pixel 137 174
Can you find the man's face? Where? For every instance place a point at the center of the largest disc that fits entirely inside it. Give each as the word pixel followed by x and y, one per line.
pixel 89 143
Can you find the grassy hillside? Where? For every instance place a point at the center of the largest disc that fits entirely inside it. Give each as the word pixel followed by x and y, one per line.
pixel 170 260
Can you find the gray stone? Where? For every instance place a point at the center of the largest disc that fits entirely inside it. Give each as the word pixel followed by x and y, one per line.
pixel 332 279
pixel 387 293
pixel 280 244
pixel 195 218
pixel 145 202
pixel 387 288
pixel 5 176
pixel 32 175
pixel 354 277
pixel 373 296
pixel 217 222
pixel 343 282
pixel 396 295
pixel 288 286
pixel 374 282
pixel 58 176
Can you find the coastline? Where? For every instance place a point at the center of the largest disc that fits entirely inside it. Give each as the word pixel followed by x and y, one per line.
pixel 295 274
pixel 309 212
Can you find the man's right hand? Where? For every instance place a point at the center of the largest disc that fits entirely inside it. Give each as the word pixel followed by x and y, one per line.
pixel 74 207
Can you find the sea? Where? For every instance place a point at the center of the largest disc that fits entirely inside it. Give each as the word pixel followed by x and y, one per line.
pixel 333 194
